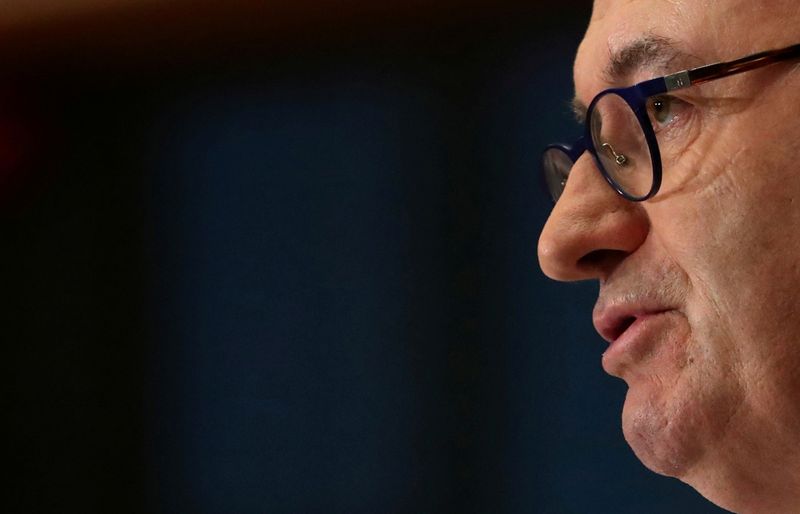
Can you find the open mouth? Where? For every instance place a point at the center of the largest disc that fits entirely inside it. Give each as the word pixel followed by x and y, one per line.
pixel 623 325
pixel 612 323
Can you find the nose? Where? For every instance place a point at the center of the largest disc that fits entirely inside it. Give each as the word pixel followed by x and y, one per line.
pixel 591 229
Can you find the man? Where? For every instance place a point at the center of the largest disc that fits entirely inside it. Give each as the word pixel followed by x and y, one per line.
pixel 692 228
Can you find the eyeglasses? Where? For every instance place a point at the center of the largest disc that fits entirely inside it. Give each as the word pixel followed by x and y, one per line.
pixel 619 132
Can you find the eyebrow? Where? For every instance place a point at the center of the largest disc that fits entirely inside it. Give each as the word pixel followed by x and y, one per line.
pixel 578 110
pixel 649 51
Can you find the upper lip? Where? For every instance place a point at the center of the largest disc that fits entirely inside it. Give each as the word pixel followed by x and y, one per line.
pixel 613 315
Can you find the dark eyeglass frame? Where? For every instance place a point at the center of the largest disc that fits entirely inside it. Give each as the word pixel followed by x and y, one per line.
pixel 636 97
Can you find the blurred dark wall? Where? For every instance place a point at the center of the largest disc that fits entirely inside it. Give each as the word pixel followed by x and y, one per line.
pixel 303 279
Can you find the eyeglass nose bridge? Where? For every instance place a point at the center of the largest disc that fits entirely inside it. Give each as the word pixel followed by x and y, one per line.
pixel 552 176
pixel 573 153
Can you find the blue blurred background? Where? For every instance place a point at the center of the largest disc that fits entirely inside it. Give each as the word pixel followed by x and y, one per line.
pixel 294 271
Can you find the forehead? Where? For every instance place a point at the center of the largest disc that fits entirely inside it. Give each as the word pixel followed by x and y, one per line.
pixel 704 31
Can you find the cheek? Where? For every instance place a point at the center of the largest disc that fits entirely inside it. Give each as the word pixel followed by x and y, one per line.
pixel 735 238
pixel 742 259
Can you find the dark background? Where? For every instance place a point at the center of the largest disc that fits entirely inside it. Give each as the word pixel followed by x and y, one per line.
pixel 289 266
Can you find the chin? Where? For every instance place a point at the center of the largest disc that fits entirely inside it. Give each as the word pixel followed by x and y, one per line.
pixel 667 436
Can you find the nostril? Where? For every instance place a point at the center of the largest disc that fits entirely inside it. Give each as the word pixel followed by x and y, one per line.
pixel 601 259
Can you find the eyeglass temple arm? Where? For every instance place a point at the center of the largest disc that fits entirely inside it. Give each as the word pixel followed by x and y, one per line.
pixel 709 72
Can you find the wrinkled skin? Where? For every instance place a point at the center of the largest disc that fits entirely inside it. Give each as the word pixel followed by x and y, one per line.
pixel 714 396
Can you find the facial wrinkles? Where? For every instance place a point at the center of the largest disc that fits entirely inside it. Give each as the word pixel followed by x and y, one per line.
pixel 706 165
pixel 739 163
pixel 704 279
pixel 679 10
pixel 709 314
pixel 701 169
pixel 754 271
pixel 666 284
pixel 650 36
pixel 732 194
pixel 708 188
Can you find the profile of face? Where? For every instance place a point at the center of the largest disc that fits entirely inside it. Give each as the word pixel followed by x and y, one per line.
pixel 700 284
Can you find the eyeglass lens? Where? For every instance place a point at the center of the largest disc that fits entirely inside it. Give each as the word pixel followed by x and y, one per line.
pixel 557 165
pixel 621 146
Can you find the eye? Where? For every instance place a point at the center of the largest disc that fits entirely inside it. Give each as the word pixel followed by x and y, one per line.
pixel 670 116
pixel 663 110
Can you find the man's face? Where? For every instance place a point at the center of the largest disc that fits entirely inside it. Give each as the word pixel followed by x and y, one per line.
pixel 699 285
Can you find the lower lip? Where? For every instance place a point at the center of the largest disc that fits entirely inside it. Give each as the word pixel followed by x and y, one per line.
pixel 638 341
